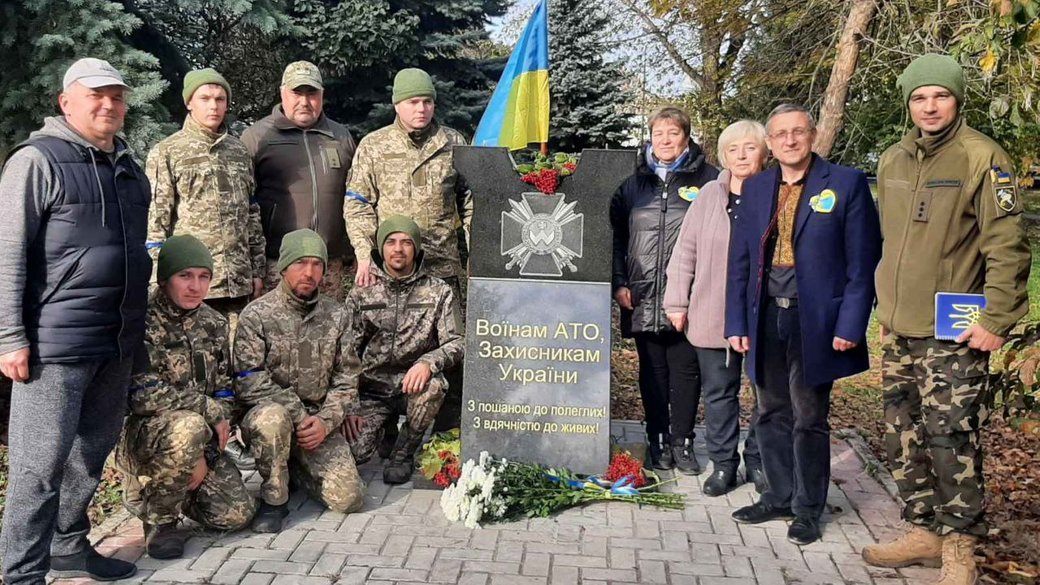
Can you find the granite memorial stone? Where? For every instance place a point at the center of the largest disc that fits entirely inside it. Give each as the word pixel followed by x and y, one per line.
pixel 537 367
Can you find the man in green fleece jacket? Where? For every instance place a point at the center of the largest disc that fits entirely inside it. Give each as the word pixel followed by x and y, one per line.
pixel 951 220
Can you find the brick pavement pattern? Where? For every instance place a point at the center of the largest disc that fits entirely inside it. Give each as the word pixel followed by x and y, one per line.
pixel 401 537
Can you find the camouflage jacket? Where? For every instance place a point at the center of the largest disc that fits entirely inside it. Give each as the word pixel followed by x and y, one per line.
pixel 186 362
pixel 399 322
pixel 202 185
pixel 291 352
pixel 391 175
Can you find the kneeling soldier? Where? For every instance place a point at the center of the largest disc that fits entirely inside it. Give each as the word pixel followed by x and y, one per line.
pixel 407 331
pixel 293 368
pixel 181 398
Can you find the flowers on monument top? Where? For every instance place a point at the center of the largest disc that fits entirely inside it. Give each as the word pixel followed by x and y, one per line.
pixel 544 172
pixel 439 458
pixel 492 489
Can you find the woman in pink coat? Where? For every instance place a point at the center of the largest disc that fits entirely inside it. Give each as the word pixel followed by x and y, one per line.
pixel 695 301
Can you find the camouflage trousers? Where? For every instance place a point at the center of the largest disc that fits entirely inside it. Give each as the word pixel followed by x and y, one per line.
pixel 331 284
pixel 419 410
pixel 327 473
pixel 936 397
pixel 157 455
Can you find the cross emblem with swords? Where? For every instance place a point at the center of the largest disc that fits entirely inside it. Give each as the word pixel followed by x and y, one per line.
pixel 541 234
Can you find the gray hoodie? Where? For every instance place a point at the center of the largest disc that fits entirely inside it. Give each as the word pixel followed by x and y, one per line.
pixel 28 187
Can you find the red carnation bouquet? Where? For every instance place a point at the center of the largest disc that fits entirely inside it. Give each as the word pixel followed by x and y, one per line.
pixel 544 172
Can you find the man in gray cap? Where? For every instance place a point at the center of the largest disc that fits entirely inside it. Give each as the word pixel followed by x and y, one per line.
pixel 73 294
pixel 301 160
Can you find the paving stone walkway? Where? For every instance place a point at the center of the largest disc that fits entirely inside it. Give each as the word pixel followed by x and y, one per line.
pixel 401 536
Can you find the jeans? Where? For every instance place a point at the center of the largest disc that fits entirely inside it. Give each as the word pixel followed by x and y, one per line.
pixel 793 431
pixel 667 372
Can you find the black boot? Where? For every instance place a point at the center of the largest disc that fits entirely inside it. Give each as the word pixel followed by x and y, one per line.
pixel 390 432
pixel 90 564
pixel 164 541
pixel 401 465
pixel 722 481
pixel 269 517
pixel 659 455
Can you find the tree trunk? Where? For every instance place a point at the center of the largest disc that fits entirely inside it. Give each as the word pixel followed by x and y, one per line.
pixel 832 111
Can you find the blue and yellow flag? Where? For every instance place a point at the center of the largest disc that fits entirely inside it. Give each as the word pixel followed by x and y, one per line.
pixel 518 113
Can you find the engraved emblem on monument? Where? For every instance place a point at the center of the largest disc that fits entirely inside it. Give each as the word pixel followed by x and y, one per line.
pixel 542 234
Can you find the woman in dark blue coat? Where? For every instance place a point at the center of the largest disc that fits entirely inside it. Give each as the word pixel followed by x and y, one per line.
pixel 646 213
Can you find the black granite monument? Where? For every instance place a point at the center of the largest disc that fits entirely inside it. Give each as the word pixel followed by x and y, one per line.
pixel 537 368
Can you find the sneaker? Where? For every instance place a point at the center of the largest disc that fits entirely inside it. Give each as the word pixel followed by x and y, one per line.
pixel 91 564
pixel 761 512
pixel 239 455
pixel 685 460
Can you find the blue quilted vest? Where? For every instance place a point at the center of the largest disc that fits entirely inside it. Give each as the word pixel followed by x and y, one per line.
pixel 86 289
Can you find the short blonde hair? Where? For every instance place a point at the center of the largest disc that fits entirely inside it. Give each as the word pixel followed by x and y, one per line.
pixel 736 131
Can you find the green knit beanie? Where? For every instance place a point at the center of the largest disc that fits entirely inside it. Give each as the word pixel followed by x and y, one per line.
pixel 303 243
pixel 182 252
pixel 196 79
pixel 409 83
pixel 395 224
pixel 932 69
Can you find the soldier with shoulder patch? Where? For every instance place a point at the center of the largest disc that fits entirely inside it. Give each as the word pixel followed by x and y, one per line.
pixel 294 372
pixel 171 452
pixel 407 332
pixel 952 223
pixel 202 185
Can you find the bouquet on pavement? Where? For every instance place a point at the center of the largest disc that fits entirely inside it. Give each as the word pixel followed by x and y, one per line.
pixel 490 489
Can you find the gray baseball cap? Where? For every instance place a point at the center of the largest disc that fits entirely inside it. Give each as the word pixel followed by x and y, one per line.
pixel 93 73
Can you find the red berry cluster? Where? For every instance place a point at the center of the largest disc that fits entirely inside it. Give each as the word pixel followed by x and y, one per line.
pixel 450 469
pixel 571 166
pixel 545 180
pixel 622 464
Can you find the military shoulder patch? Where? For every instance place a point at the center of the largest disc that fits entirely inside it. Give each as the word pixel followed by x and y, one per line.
pixel 1004 189
pixel 689 193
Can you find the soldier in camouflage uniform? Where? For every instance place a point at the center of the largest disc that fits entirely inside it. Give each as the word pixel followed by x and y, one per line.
pixel 407 331
pixel 294 375
pixel 202 185
pixel 952 223
pixel 406 168
pixel 180 404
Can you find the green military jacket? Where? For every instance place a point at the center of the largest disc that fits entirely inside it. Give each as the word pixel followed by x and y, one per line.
pixel 391 175
pixel 291 351
pixel 202 185
pixel 399 322
pixel 186 362
pixel 951 221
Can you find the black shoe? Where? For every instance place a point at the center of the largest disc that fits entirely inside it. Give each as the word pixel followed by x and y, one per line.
pixel 239 455
pixel 164 541
pixel 721 482
pixel 398 470
pixel 685 460
pixel 660 456
pixel 756 476
pixel 90 564
pixel 803 531
pixel 761 512
pixel 269 518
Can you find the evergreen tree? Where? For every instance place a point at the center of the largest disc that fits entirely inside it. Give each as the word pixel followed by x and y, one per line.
pixel 361 44
pixel 588 100
pixel 41 38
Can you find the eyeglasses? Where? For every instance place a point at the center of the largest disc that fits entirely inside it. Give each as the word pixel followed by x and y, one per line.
pixel 797 134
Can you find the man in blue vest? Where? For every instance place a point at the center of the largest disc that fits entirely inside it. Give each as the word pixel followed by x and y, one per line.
pixel 73 292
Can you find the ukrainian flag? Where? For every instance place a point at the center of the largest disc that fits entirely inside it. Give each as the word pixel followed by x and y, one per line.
pixel 518 113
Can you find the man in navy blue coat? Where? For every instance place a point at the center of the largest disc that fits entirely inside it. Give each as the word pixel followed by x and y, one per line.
pixel 799 294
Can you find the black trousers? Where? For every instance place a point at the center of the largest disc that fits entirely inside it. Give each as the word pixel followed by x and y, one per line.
pixel 720 385
pixel 667 373
pixel 793 432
